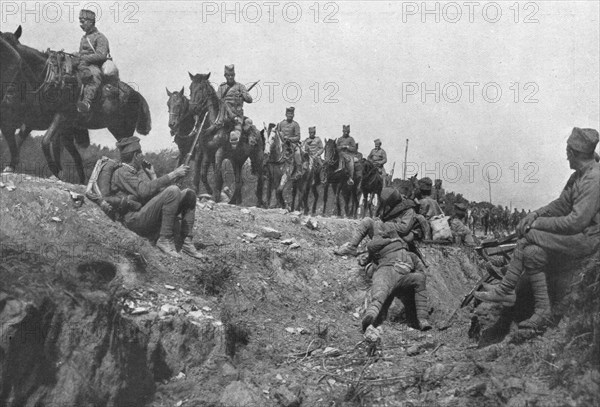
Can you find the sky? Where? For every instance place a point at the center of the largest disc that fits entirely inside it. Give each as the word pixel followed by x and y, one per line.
pixel 476 87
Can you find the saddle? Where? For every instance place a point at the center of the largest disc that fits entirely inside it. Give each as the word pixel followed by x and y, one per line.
pixel 62 74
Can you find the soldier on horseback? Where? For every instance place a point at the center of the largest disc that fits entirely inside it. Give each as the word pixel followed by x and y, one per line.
pixel 232 95
pixel 290 130
pixel 93 52
pixel 378 157
pixel 313 147
pixel 347 149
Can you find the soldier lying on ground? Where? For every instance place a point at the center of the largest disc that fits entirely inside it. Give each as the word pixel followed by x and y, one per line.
pixel 161 201
pixel 399 272
pixel 568 226
pixel 407 223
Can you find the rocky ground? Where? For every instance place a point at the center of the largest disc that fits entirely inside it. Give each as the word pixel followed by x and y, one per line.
pixel 93 315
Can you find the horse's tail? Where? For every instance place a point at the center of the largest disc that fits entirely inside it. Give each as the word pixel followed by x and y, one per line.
pixel 144 122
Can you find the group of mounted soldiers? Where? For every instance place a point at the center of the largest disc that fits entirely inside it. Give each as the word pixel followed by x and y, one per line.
pixel 567 227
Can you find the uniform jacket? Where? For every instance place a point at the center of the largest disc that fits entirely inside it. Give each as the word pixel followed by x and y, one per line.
pixel 313 146
pixel 290 131
pixel 378 156
pixel 346 142
pixel 97 55
pixel 577 209
pixel 235 97
pixel 429 208
pixel 126 181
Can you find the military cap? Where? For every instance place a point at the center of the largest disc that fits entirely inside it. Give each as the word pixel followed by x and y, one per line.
pixel 129 145
pixel 389 197
pixel 377 141
pixel 438 182
pixel 230 69
pixel 425 184
pixel 460 207
pixel 87 14
pixel 345 127
pixel 290 109
pixel 313 128
pixel 583 140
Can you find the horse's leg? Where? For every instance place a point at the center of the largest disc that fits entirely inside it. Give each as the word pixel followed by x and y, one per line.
pixel 48 142
pixel 366 204
pixel 205 164
pixel 236 199
pixel 257 161
pixel 315 191
pixel 338 207
pixel 325 193
pixel 69 143
pixel 280 188
pixel 219 156
pixel 9 135
pixel 269 186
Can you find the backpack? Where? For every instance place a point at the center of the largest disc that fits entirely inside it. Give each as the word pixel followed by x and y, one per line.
pixel 99 188
pixel 440 228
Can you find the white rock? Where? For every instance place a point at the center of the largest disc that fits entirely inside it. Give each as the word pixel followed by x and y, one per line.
pixel 169 309
pixel 169 287
pixel 139 311
pixel 207 309
pixel 271 233
pixel 250 236
pixel 245 211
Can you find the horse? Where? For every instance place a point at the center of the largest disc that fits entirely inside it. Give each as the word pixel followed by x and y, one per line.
pixel 279 164
pixel 120 109
pixel 339 181
pixel 310 181
pixel 216 147
pixel 371 186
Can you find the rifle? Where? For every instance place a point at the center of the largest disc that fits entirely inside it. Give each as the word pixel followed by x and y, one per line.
pixel 487 248
pixel 198 130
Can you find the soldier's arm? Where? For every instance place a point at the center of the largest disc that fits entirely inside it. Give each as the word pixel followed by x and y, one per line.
pixel 370 156
pixel 295 136
pixel 351 145
pixel 404 224
pixel 245 95
pixel 319 148
pixel 585 206
pixel 101 47
pixel 383 157
pixel 143 190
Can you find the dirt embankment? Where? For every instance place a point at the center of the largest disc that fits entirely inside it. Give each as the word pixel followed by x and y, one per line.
pixel 93 315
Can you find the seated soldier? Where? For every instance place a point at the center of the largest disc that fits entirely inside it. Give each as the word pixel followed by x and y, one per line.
pixel 161 200
pixel 378 157
pixel 398 271
pixel 569 227
pixel 290 131
pixel 460 231
pixel 428 207
pixel 347 149
pixel 313 147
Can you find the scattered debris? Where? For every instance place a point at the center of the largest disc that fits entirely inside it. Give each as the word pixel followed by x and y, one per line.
pixel 56 219
pixel 271 233
pixel 331 352
pixel 140 311
pixel 245 211
pixel 77 199
pixel 250 236
pixel 311 223
pixel 169 287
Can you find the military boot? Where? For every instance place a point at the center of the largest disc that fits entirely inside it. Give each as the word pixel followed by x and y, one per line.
pixel 189 249
pixel 371 314
pixel 167 246
pixel 421 307
pixel 504 293
pixel 541 317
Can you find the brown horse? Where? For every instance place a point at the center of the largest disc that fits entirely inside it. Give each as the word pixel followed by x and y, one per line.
pixel 279 163
pixel 371 186
pixel 215 146
pixel 37 102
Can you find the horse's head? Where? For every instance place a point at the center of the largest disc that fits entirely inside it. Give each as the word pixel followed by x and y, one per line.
pixel 178 106
pixel 273 146
pixel 201 92
pixel 12 38
pixel 331 153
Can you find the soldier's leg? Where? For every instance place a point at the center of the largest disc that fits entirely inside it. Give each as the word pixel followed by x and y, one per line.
pixel 504 292
pixel 385 280
pixel 416 283
pixel 535 259
pixel 93 79
pixel 187 208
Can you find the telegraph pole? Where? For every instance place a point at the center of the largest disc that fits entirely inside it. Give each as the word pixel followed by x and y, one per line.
pixel 489 185
pixel 405 157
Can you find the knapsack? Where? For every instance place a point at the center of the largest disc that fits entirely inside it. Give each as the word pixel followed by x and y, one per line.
pixel 99 187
